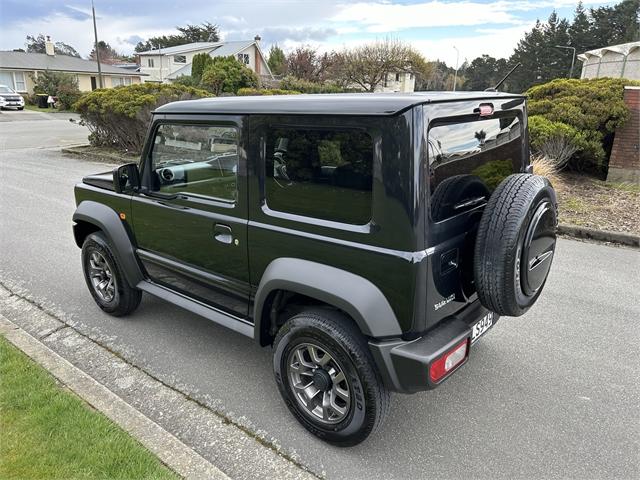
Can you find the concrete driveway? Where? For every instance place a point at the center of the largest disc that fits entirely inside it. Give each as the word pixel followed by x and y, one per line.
pixel 39 129
pixel 552 394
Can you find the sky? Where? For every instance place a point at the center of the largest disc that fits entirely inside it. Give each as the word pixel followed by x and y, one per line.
pixel 436 28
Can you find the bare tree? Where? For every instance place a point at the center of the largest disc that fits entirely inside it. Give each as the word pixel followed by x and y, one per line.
pixel 308 64
pixel 367 65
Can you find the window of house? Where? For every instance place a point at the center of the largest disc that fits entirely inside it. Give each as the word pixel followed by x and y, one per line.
pixel 243 58
pixel 179 59
pixel 116 81
pixel 397 77
pixel 20 83
pixel 320 173
pixel 13 80
pixel 200 160
pixel 150 63
pixel 127 80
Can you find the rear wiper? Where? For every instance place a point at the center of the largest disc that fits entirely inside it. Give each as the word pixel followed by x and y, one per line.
pixel 495 89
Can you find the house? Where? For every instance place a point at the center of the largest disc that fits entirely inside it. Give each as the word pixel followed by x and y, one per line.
pixel 397 82
pixel 167 64
pixel 17 70
pixel 617 61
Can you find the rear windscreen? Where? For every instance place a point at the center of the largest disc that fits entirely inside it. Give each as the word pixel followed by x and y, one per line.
pixel 468 160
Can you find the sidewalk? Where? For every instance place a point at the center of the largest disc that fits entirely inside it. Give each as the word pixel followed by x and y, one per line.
pixel 190 438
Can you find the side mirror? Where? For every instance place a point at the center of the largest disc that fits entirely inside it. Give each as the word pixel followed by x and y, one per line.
pixel 126 178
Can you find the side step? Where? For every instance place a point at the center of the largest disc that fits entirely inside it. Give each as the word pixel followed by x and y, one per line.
pixel 236 324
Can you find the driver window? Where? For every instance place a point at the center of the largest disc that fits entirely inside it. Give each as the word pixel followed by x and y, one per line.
pixel 197 160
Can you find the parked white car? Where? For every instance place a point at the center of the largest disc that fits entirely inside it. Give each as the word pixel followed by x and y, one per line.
pixel 10 98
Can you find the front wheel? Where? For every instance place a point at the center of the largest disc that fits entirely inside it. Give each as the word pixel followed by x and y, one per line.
pixel 327 377
pixel 104 278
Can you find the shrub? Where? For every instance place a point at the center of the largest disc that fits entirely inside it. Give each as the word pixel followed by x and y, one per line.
pixel 227 75
pixel 119 117
pixel 594 107
pixel 199 64
pixel 57 84
pixel 265 91
pixel 186 81
pixel 559 141
pixel 292 83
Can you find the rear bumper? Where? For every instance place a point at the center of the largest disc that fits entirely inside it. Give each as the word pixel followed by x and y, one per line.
pixel 404 365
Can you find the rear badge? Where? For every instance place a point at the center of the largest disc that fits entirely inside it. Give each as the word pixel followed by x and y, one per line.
pixel 441 304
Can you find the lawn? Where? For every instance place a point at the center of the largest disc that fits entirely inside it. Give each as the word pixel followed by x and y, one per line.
pixel 47 432
pixel 588 202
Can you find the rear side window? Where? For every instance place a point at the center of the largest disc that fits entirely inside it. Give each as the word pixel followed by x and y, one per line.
pixel 321 173
pixel 468 160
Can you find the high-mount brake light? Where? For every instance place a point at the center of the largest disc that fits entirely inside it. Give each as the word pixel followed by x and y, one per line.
pixel 448 361
pixel 486 110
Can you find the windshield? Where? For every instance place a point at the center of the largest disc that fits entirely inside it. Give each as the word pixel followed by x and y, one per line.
pixel 5 89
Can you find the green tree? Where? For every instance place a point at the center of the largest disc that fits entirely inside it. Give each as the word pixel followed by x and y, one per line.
pixel 616 24
pixel 227 75
pixel 277 60
pixel 108 54
pixel 37 45
pixel 198 65
pixel 484 72
pixel 206 32
pixel 580 32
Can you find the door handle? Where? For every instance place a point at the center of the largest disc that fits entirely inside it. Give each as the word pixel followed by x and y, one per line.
pixel 222 233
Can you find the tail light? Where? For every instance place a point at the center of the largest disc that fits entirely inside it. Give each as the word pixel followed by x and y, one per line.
pixel 448 361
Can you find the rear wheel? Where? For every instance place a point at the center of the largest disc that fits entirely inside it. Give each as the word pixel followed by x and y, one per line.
pixel 104 278
pixel 327 377
pixel 515 244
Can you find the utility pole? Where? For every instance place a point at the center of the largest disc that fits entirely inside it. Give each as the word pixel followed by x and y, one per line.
pixel 573 58
pixel 455 77
pixel 95 35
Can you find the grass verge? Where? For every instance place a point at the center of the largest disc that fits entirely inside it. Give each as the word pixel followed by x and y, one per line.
pixel 47 432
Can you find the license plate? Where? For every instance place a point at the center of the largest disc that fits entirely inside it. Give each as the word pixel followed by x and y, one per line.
pixel 481 326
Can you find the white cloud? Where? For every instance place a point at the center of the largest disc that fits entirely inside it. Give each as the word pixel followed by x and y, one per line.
pixel 389 17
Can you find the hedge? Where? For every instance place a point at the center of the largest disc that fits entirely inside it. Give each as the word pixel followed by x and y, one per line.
pixel 593 107
pixel 304 86
pixel 119 117
pixel 265 91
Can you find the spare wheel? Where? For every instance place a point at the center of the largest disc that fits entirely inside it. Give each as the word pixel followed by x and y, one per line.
pixel 515 244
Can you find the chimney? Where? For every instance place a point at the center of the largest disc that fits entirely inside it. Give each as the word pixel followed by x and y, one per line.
pixel 257 59
pixel 48 47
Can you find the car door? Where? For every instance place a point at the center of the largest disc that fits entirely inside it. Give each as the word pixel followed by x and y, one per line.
pixel 190 217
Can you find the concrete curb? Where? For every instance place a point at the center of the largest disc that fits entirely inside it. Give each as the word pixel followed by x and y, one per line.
pixel 171 451
pixel 77 151
pixel 600 235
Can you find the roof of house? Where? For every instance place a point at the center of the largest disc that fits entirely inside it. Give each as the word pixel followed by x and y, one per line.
pixel 221 49
pixel 623 49
pixel 62 63
pixel 325 104
pixel 226 48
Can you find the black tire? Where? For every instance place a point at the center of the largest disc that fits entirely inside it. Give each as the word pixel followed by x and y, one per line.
pixel 125 299
pixel 20 108
pixel 340 338
pixel 515 244
pixel 454 190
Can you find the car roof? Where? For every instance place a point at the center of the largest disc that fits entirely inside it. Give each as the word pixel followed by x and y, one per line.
pixel 323 104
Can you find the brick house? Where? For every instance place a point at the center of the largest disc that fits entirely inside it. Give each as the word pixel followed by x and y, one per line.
pixel 624 163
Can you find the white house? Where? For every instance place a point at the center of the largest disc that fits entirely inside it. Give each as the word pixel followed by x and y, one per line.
pixel 402 82
pixel 167 64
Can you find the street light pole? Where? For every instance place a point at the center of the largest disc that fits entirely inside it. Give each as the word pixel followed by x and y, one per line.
pixel 455 77
pixel 573 58
pixel 95 35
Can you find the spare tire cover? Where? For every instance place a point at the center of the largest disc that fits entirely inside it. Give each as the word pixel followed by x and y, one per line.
pixel 515 244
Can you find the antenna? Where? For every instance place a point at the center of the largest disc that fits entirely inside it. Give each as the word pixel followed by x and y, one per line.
pixel 495 89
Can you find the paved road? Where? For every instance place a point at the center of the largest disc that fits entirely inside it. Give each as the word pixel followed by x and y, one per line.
pixel 34 129
pixel 552 394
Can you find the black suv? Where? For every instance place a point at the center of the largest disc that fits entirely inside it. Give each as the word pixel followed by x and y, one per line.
pixel 371 239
